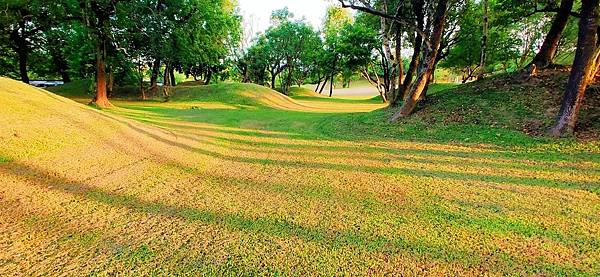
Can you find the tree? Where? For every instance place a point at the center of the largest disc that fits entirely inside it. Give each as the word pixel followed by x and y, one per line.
pixel 23 22
pixel 584 69
pixel 547 52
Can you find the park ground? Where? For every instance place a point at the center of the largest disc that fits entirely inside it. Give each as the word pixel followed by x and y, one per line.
pixel 236 179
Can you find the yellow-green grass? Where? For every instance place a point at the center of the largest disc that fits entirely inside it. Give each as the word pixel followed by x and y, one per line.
pixel 209 186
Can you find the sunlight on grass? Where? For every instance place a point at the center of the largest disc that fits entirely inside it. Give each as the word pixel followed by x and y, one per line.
pixel 202 185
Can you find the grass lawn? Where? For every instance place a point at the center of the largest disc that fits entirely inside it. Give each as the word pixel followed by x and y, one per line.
pixel 239 180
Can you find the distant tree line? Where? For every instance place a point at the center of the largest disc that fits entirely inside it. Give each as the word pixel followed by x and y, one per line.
pixel 396 45
pixel 117 40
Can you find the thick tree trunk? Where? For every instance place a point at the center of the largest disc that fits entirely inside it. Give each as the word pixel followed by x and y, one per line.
pixel 417 46
pixel 23 66
pixel 273 77
pixel 547 52
pixel 154 77
pixel 439 20
pixel 101 98
pixel 21 47
pixel 584 66
pixel 208 77
pixel 484 42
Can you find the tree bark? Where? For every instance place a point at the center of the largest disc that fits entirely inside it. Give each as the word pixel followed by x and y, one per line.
pixel 154 77
pixel 101 98
pixel 417 46
pixel 547 52
pixel 439 21
pixel 399 68
pixel 584 66
pixel 273 77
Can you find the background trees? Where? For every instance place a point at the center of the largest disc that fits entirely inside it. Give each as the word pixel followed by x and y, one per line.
pixel 397 46
pixel 79 38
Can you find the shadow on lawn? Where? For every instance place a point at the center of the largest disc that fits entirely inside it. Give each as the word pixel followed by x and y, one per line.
pixel 407 171
pixel 334 239
pixel 235 222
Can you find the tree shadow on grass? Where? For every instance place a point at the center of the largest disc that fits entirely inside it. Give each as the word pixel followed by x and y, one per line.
pixel 277 227
pixel 235 222
pixel 406 171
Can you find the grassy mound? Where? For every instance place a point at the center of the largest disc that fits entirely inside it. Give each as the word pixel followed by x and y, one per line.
pixel 241 95
pixel 511 102
pixel 76 88
pixel 191 83
pixel 506 110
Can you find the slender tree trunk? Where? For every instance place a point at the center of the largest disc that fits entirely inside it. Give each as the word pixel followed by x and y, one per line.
pixel 111 83
pixel 399 68
pixel 547 52
pixel 332 76
pixel 484 41
pixel 584 66
pixel 331 86
pixel 101 98
pixel 319 83
pixel 167 81
pixel 324 84
pixel 439 20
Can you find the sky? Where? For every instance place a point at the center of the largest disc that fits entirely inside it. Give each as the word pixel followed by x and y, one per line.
pixel 257 13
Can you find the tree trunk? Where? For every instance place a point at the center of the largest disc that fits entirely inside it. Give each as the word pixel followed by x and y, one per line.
pixel 167 81
pixel 584 67
pixel 209 75
pixel 332 77
pixel 399 67
pixel 547 52
pixel 484 41
pixel 417 46
pixel 324 84
pixel 273 77
pixel 111 83
pixel 319 83
pixel 172 76
pixel 101 98
pixel 154 77
pixel 23 56
pixel 439 20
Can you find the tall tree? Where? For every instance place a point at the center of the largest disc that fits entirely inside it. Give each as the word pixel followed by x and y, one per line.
pixel 547 52
pixel 583 70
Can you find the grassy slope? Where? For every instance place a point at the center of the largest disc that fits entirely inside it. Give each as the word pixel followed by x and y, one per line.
pixel 210 183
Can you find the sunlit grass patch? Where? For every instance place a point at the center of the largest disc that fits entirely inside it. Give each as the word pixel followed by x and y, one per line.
pixel 211 185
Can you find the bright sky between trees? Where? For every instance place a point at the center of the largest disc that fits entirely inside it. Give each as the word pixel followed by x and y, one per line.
pixel 258 12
